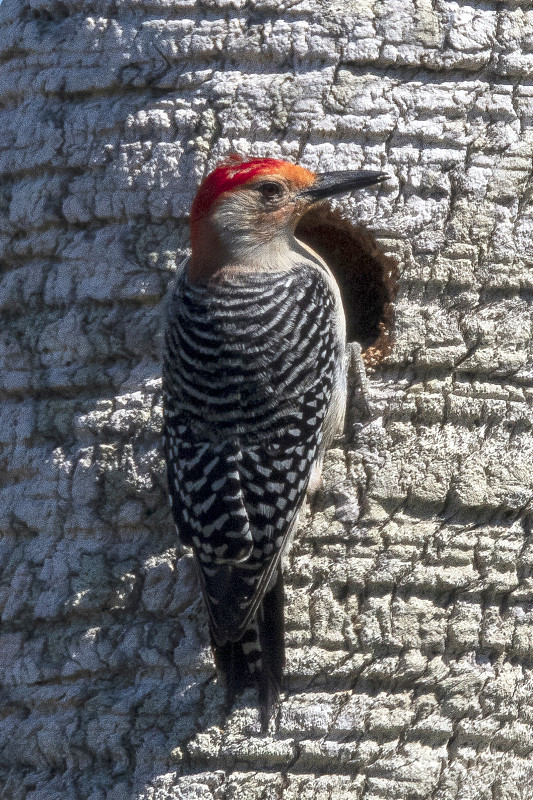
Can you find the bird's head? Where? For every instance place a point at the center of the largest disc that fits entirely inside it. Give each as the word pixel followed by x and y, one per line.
pixel 244 209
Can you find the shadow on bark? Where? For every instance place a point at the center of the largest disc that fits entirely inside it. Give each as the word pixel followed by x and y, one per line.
pixel 366 276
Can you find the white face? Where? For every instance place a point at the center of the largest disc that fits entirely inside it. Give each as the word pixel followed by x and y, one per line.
pixel 257 213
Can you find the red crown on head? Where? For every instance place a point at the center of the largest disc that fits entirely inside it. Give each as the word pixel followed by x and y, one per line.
pixel 235 171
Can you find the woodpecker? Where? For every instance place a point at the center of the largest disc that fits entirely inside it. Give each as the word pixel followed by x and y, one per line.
pixel 254 392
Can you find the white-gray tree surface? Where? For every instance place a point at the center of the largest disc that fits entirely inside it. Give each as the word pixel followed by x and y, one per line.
pixel 410 593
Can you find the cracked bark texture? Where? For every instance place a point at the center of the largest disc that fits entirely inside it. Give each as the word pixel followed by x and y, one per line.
pixel 410 586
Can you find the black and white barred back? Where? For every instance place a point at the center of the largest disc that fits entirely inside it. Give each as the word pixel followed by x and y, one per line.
pixel 249 372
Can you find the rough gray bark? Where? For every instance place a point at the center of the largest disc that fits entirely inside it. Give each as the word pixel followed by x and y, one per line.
pixel 410 627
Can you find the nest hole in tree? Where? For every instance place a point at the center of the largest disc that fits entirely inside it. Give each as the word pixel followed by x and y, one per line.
pixel 365 275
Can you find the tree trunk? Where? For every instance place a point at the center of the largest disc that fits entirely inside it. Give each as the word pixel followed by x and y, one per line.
pixel 409 587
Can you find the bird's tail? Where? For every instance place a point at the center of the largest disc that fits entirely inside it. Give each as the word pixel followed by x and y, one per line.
pixel 258 657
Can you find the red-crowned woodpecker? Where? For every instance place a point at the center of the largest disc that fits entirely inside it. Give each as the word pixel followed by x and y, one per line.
pixel 254 392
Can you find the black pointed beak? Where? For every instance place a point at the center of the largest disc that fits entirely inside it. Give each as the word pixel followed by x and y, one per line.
pixel 329 184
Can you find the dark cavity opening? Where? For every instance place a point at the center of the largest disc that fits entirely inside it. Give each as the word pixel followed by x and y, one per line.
pixel 365 275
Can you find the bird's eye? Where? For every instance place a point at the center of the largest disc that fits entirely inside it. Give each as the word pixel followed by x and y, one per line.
pixel 271 190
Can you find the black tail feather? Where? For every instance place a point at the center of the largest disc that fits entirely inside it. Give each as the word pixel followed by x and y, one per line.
pixel 232 668
pixel 258 658
pixel 271 624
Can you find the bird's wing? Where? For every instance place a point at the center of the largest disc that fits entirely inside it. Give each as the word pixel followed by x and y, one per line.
pixel 236 506
pixel 206 497
pixel 249 375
